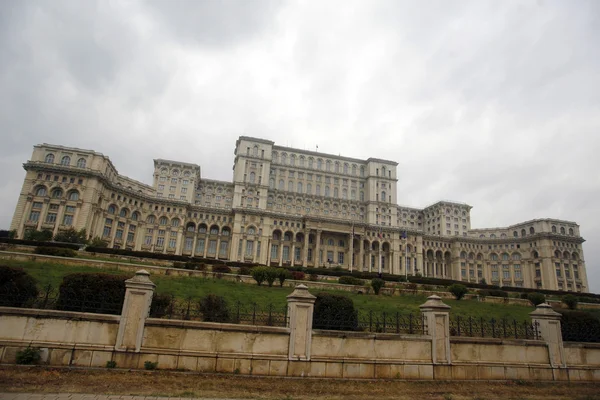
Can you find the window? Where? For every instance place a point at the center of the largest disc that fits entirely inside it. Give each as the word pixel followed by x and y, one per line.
pixel 299 187
pixel 163 221
pixel 50 158
pixel 41 191
pixel 57 193
pixel 212 247
pixel 34 216
pixel 252 177
pixel 66 160
pixel 274 251
pixel 340 257
pixel 68 220
pixel 81 163
pixel 249 248
pixel 214 230
pixel 51 218
pixel 286 253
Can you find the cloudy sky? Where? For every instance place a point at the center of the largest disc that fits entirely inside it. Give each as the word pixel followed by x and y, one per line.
pixel 492 103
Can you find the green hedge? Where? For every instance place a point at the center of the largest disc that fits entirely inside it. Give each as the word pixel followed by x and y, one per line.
pixel 334 312
pixel 55 251
pixel 350 280
pixel 38 243
pixel 92 292
pixel 17 287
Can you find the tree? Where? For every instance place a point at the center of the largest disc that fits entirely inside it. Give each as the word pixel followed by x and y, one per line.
pixel 282 275
pixel 536 298
pixel 259 274
pixel 39 236
pixel 271 275
pixel 458 290
pixel 377 284
pixel 214 308
pixel 71 236
pixel 334 312
pixel 570 301
pixel 98 242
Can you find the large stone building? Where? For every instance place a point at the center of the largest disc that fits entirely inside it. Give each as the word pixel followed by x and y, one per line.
pixel 287 206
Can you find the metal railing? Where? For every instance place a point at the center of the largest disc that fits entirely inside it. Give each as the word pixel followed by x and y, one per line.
pixel 502 328
pixel 371 321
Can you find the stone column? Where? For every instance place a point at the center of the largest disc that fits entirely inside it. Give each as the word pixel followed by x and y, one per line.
pixel 305 256
pixel 437 318
pixel 317 262
pixel 195 239
pixel 178 242
pixel 351 252
pixel 219 245
pixel 361 254
pixel 379 260
pixel 548 323
pixel 293 255
pixel 136 308
pixel 300 312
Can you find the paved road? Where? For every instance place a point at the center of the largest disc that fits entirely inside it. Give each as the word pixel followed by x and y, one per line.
pixel 76 396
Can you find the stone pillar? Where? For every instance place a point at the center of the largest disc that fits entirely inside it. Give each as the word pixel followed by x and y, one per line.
pixel 194 240
pixel 300 312
pixel 361 252
pixel 351 252
pixel 548 323
pixel 293 255
pixel 437 318
pixel 317 262
pixel 136 308
pixel 305 255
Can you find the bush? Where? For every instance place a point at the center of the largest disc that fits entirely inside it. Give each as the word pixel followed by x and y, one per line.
pixel 40 236
pixel 334 312
pixel 282 275
pixel 161 305
pixel 245 270
pixel 377 284
pixel 92 292
pixel 493 293
pixel 313 277
pixel 224 269
pixel 214 308
pixel 579 326
pixel 17 287
pixel 259 274
pixel 298 275
pixel 55 251
pixel 271 275
pixel 98 242
pixel 111 364
pixel 71 236
pixel 570 301
pixel 524 296
pixel 458 290
pixel 149 365
pixel 536 298
pixel 350 280
pixel 30 355
pixel 38 243
pixel 411 286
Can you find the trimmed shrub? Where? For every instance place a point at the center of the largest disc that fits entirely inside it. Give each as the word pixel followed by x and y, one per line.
pixel 17 287
pixel 98 242
pixel 214 308
pixel 458 290
pixel 350 280
pixel 55 251
pixel 570 301
pixel 271 275
pixel 259 274
pixel 334 312
pixel 161 305
pixel 377 284
pixel 224 269
pixel 524 296
pixel 579 326
pixel 245 270
pixel 111 364
pixel 496 293
pixel 28 356
pixel 536 298
pixel 71 236
pixel 282 275
pixel 92 292
pixel 40 236
pixel 298 275
pixel 38 243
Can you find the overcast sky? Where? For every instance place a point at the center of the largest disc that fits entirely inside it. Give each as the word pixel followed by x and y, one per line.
pixel 492 103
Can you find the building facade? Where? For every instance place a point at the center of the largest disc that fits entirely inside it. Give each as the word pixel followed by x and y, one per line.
pixel 287 206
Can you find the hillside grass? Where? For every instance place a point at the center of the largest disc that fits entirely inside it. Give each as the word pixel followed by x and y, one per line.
pixel 195 287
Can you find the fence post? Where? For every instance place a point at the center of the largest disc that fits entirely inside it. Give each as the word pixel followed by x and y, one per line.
pixel 300 313
pixel 437 315
pixel 548 322
pixel 136 308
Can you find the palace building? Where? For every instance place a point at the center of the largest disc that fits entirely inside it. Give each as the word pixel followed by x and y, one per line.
pixel 288 206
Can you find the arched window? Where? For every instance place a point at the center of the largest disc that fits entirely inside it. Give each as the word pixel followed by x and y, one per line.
pixel 81 163
pixel 319 164
pixel 255 151
pixel 281 184
pixel 492 236
pixel 277 235
pixel 175 222
pixel 362 171
pixel 562 230
pixel 299 187
pixel 523 233
pixel 531 231
pixel 346 168
pixel 56 193
pixel 290 186
pixel 135 216
pixel 504 256
pixel 271 183
pixel 293 159
pixel 112 209
pixel 50 158
pixel 494 257
pixel 163 221
pixel 327 191
pixel 482 235
pixel 328 165
pixel 202 228
pixel 353 169
pixel 535 254
pixel 515 234
pixel 214 230
pixel 287 237
pixel 330 242
pixel 516 256
pixel 309 188
pixel 225 231
pixel 310 162
pixel 353 194
pixel 463 254
pixel 571 231
pixel 191 227
pixel 337 167
pixel 284 158
pixel 73 195
pixel 123 213
pixel 252 177
pixel 383 198
pixel 344 194
pixel 275 157
pixel 557 254
pixel 301 160
pixel 66 160
pixel 336 193
pixel 318 192
pixel 150 219
pixel 383 171
pixel 553 229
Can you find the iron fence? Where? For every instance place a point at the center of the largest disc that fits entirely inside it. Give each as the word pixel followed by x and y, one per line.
pixel 502 328
pixel 193 309
pixel 372 321
pixel 49 298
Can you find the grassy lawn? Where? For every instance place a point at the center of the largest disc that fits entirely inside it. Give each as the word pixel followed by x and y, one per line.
pixel 185 287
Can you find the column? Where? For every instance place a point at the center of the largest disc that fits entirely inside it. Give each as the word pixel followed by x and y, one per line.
pixel 379 260
pixel 437 317
pixel 178 244
pixel 280 253
pixel 351 252
pixel 361 256
pixel 305 256
pixel 548 323
pixel 219 244
pixel 140 232
pixel 136 307
pixel 194 243
pixel 300 311
pixel 293 255
pixel 43 212
pixel 318 249
pixel 392 267
pixel 206 242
